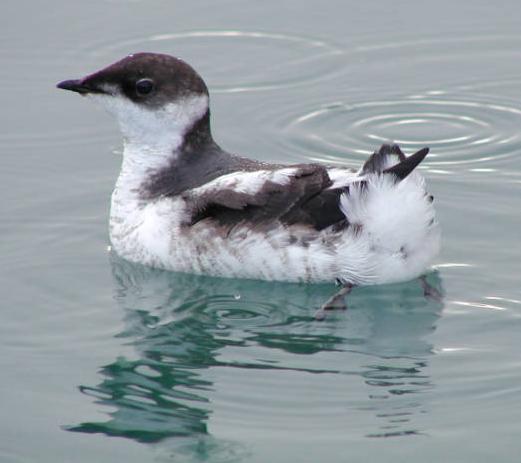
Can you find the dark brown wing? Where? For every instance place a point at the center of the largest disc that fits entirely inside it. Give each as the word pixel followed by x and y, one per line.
pixel 305 199
pixel 319 211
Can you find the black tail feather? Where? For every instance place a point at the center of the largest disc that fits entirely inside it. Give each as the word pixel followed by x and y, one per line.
pixel 379 159
pixel 406 166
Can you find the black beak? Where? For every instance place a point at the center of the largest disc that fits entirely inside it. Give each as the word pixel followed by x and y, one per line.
pixel 78 86
pixel 75 85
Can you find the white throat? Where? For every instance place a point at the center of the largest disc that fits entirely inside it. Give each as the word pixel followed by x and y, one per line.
pixel 162 129
pixel 152 137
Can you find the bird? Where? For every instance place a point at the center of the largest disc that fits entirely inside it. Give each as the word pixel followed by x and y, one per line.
pixel 184 204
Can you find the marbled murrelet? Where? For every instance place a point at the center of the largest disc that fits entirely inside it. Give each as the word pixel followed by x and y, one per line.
pixel 182 203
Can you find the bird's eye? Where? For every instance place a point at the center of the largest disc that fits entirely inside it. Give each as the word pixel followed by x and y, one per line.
pixel 144 87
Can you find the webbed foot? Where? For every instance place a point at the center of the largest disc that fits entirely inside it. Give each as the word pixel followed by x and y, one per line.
pixel 335 302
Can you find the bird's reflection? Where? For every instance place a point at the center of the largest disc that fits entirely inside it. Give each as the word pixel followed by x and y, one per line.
pixel 183 325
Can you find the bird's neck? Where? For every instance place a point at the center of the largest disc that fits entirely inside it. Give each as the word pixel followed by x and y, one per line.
pixel 140 162
pixel 147 155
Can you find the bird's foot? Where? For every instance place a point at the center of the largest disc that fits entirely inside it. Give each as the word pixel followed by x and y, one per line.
pixel 429 291
pixel 335 302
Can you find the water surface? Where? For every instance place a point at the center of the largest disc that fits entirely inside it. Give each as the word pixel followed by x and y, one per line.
pixel 108 361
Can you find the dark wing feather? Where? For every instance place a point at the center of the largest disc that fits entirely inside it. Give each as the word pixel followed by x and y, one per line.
pixel 320 211
pixel 305 200
pixel 406 166
pixel 378 161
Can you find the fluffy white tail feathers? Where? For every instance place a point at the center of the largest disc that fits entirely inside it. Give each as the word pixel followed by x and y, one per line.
pixel 393 215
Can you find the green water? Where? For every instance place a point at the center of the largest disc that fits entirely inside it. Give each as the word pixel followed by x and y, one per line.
pixel 103 360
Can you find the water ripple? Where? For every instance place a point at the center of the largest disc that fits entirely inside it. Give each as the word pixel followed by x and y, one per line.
pixel 458 131
pixel 231 311
pixel 298 60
